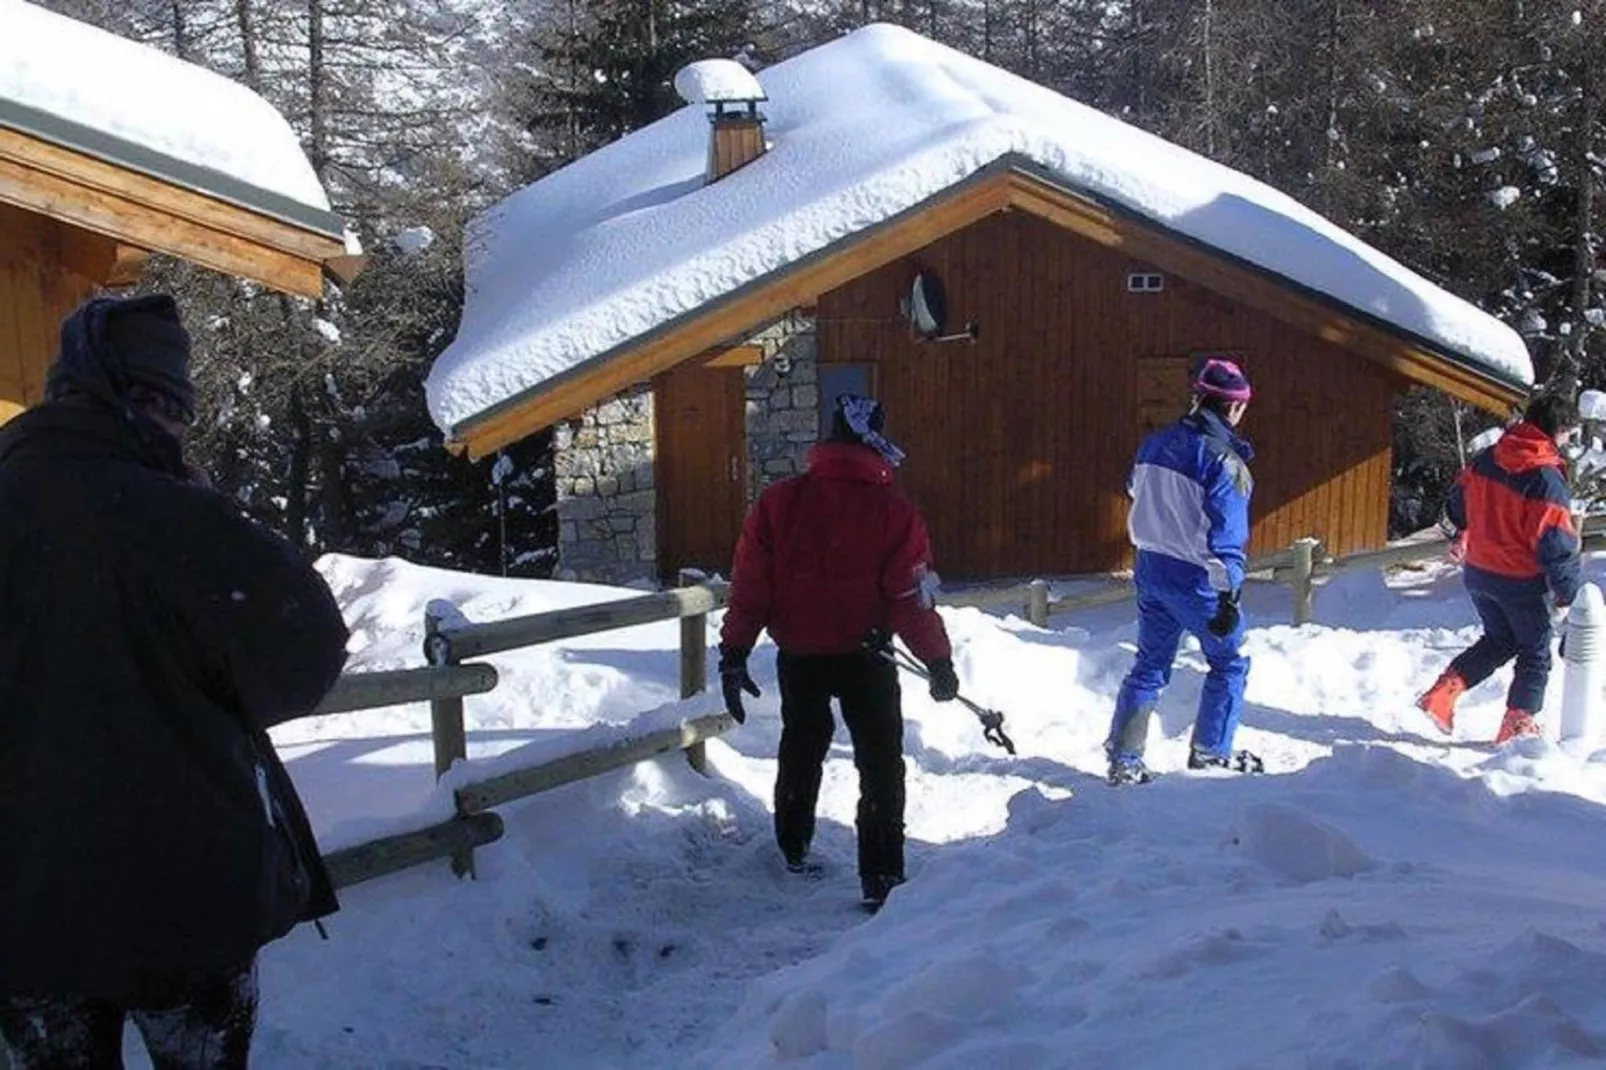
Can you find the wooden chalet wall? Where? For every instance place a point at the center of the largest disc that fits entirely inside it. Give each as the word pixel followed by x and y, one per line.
pixel 1019 445
pixel 46 270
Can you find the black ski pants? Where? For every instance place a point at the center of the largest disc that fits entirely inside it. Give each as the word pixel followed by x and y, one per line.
pixel 209 1029
pixel 867 689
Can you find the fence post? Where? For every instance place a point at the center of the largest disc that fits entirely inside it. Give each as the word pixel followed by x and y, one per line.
pixel 1037 603
pixel 446 714
pixel 1304 578
pixel 694 662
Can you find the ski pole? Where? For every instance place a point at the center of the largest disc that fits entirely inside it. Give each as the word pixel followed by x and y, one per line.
pixel 992 722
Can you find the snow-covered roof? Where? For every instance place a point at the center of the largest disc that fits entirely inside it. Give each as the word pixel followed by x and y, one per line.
pixel 629 238
pixel 69 82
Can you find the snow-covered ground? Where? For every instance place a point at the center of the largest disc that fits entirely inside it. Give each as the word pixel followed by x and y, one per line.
pixel 1384 899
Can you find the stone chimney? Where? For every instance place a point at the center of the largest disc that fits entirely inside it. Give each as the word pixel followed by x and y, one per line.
pixel 736 127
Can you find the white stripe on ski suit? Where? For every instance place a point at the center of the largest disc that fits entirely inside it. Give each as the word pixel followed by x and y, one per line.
pixel 1168 517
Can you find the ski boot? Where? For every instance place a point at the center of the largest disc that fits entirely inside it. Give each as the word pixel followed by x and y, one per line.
pixel 1126 770
pixel 1517 724
pixel 798 862
pixel 1239 761
pixel 1439 702
pixel 876 890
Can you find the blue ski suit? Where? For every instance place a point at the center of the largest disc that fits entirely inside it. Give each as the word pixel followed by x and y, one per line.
pixel 1190 488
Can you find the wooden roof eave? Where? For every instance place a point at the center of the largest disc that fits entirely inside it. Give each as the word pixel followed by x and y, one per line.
pixel 1006 184
pixel 147 212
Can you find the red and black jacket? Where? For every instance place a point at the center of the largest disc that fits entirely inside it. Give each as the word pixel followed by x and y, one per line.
pixel 826 556
pixel 1514 504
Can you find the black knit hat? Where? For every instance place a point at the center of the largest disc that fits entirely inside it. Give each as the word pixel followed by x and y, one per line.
pixel 860 420
pixel 153 348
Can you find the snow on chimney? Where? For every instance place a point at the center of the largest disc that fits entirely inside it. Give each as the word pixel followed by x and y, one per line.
pixel 732 94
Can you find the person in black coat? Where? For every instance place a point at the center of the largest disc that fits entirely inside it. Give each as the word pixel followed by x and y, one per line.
pixel 151 842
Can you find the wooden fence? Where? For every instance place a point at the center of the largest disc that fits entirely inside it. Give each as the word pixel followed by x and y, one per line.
pixel 1300 566
pixel 449 643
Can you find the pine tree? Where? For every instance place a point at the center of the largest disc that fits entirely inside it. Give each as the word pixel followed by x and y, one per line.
pixel 608 66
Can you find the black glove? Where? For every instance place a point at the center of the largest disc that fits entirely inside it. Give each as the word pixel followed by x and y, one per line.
pixel 878 641
pixel 944 682
pixel 733 680
pixel 1227 616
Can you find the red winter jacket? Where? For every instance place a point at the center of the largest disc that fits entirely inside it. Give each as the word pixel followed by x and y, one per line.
pixel 828 555
pixel 1514 504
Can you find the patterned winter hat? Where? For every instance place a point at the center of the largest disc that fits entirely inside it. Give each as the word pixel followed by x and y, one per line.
pixel 861 419
pixel 1221 378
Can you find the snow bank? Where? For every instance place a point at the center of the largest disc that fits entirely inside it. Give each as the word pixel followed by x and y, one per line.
pixel 1092 941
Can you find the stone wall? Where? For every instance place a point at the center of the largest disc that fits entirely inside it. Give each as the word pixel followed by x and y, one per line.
pixel 783 400
pixel 602 464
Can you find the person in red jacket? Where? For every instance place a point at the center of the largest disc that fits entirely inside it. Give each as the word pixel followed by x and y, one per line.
pixel 825 559
pixel 1511 511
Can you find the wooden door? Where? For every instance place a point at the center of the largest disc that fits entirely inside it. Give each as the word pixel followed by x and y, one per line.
pixel 700 466
pixel 1162 391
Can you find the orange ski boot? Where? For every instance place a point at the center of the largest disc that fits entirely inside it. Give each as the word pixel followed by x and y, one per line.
pixel 1439 702
pixel 1516 725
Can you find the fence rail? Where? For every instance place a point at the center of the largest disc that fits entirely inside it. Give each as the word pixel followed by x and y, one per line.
pixel 477 640
pixel 391 854
pixel 392 687
pixel 494 791
pixel 1298 566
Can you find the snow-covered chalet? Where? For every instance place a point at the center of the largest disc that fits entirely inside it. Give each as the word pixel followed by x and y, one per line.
pixel 1023 281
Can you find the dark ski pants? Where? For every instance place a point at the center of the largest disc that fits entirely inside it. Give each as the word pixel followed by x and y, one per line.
pixel 1512 628
pixel 867 689
pixel 210 1029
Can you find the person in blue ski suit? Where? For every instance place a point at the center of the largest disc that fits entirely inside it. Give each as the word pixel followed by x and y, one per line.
pixel 1190 488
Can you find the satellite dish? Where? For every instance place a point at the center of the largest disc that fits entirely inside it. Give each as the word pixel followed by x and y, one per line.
pixel 928 305
pixel 928 312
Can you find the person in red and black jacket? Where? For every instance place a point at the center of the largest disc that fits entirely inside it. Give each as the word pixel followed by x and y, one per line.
pixel 1512 511
pixel 826 559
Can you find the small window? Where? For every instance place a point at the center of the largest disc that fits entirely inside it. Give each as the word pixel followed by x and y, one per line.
pixel 1145 282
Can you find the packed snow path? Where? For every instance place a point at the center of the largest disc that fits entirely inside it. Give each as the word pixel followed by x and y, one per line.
pixel 1384 899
